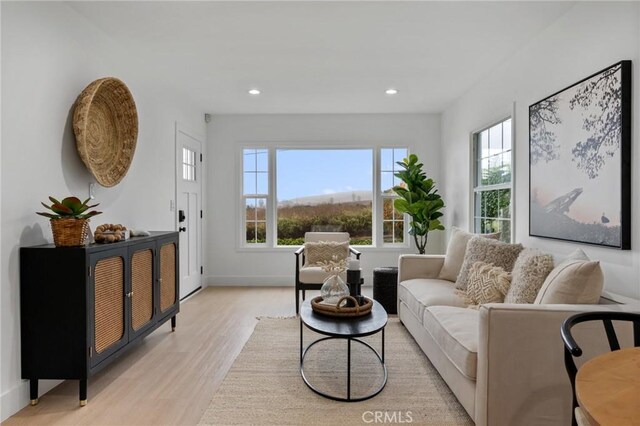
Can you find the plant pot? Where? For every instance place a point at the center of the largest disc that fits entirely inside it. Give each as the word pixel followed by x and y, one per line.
pixel 69 232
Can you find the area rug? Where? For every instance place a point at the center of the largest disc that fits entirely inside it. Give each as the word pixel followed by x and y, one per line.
pixel 264 386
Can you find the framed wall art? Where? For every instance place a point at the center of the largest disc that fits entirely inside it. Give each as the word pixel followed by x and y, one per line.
pixel 580 161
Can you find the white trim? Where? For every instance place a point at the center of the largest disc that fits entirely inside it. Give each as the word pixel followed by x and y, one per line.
pixel 16 398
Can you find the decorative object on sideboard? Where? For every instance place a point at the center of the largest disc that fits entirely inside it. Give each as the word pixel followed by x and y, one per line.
pixel 69 220
pixel 139 233
pixel 105 123
pixel 420 199
pixel 580 161
pixel 110 233
pixel 333 289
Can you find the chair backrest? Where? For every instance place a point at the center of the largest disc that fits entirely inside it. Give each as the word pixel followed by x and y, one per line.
pixel 571 348
pixel 312 237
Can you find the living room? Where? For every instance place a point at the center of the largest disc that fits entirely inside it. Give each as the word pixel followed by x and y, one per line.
pixel 425 78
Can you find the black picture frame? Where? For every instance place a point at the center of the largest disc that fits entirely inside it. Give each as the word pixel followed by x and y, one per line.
pixel 580 161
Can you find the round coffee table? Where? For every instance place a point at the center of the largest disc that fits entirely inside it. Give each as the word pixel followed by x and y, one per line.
pixel 349 329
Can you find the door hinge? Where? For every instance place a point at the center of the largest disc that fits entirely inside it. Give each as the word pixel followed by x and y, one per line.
pixel 201 270
pixel 201 157
pixel 200 214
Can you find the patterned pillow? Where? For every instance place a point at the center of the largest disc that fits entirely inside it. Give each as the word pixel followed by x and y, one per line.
pixel 316 252
pixel 529 272
pixel 481 249
pixel 487 284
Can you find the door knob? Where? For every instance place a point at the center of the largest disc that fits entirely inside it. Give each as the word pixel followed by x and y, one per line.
pixel 182 229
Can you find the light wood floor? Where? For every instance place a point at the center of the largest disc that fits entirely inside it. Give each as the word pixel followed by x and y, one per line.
pixel 171 377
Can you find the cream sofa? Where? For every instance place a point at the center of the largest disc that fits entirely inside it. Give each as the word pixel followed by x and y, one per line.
pixel 504 362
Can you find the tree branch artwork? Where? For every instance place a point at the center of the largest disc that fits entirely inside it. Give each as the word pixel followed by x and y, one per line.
pixel 543 140
pixel 604 95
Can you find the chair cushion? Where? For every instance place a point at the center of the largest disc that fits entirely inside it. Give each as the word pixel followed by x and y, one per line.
pixel 575 280
pixel 487 284
pixel 324 251
pixel 455 330
pixel 316 275
pixel 529 272
pixel 455 252
pixel 486 250
pixel 422 292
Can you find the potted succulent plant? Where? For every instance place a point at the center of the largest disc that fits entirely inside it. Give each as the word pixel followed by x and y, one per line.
pixel 69 220
pixel 419 198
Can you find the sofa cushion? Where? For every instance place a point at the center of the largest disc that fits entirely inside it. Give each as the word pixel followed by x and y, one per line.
pixel 316 275
pixel 422 292
pixel 455 252
pixel 455 330
pixel 487 284
pixel 486 250
pixel 529 272
pixel 576 280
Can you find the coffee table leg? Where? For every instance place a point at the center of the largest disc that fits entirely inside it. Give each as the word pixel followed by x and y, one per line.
pixel 383 345
pixel 348 368
pixel 300 341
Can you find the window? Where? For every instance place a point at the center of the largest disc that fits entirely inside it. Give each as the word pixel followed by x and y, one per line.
pixel 492 182
pixel 392 220
pixel 255 194
pixel 290 191
pixel 188 164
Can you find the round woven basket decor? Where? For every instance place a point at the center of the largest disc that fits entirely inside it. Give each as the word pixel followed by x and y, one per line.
pixel 105 122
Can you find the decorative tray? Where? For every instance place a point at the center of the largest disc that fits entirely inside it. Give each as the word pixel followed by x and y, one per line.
pixel 342 311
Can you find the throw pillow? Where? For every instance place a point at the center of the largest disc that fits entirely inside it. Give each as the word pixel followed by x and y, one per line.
pixel 490 251
pixel 487 284
pixel 529 272
pixel 576 280
pixel 316 252
pixel 455 252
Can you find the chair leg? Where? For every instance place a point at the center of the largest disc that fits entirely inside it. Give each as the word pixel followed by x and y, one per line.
pixel 297 301
pixel 303 294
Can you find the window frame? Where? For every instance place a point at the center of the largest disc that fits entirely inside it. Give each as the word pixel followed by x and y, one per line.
pixel 271 212
pixel 476 188
pixel 381 197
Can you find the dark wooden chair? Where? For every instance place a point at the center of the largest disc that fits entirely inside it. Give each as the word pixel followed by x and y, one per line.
pixel 310 277
pixel 571 348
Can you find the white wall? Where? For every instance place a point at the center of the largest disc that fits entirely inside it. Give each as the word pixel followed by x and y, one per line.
pixel 227 264
pixel 49 54
pixel 588 38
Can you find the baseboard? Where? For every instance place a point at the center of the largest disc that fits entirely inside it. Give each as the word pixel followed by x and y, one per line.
pixel 17 398
pixel 255 281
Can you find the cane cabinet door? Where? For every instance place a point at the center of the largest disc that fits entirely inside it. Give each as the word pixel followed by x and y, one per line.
pixel 142 293
pixel 168 274
pixel 109 312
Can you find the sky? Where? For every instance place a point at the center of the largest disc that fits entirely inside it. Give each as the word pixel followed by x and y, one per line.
pixel 302 173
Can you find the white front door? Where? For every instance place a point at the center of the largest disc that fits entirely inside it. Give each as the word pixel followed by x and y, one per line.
pixel 189 205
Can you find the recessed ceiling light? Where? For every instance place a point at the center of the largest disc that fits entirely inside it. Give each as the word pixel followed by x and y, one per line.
pixel 391 91
pixel 254 92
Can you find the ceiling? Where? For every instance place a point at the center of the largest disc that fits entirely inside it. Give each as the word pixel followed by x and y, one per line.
pixel 319 57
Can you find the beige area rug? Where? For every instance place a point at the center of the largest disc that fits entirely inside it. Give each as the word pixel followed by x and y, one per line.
pixel 264 386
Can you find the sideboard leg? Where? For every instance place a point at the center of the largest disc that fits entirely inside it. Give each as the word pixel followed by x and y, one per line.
pixel 83 392
pixel 173 323
pixel 33 391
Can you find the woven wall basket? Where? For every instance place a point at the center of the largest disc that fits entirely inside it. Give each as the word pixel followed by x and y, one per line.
pixel 105 122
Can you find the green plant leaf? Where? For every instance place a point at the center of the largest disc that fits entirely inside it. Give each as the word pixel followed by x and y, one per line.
pixel 54 201
pixel 61 209
pixel 49 215
pixel 73 203
pixel 46 206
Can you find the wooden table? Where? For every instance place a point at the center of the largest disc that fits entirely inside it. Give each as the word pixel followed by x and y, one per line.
pixel 608 388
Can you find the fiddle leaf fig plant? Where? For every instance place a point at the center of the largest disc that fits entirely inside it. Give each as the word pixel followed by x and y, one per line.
pixel 69 208
pixel 419 198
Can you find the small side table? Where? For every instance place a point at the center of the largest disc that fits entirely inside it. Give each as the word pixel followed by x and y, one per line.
pixel 385 287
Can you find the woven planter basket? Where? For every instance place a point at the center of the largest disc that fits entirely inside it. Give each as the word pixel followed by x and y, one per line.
pixel 105 122
pixel 69 232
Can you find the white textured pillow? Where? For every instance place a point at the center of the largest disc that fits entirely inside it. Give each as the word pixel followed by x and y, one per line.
pixel 490 251
pixel 487 284
pixel 455 252
pixel 576 280
pixel 529 272
pixel 316 252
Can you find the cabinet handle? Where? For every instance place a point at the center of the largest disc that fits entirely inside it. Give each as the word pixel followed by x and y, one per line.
pixel 129 295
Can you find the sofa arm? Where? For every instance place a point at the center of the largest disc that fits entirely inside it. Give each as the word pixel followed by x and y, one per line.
pixel 521 377
pixel 419 266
